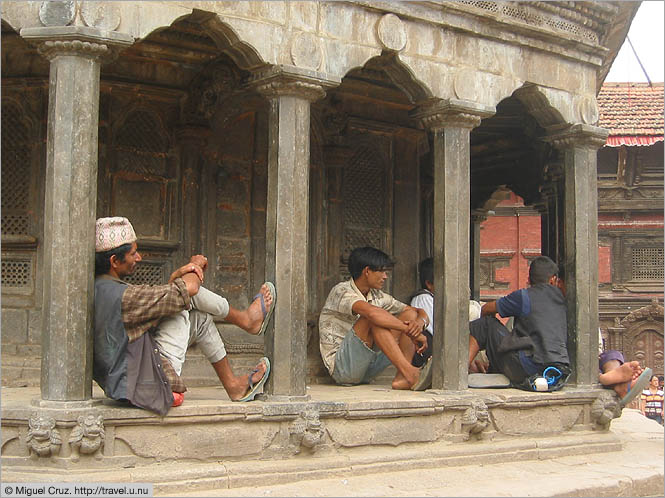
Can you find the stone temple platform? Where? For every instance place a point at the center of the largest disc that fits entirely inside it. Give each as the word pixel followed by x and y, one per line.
pixel 336 431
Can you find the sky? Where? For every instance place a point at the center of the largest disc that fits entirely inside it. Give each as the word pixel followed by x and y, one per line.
pixel 646 34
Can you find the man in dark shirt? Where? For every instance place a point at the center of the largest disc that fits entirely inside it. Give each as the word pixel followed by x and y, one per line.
pixel 538 339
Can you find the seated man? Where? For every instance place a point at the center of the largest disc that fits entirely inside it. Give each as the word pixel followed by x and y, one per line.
pixel 424 298
pixel 142 332
pixel 539 335
pixel 626 379
pixel 363 330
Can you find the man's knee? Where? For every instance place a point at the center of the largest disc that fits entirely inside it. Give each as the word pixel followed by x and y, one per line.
pixel 408 315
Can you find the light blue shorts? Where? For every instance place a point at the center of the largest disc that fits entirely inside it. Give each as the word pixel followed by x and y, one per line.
pixel 355 363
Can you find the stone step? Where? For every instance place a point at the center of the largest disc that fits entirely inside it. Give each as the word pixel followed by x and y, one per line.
pixel 212 443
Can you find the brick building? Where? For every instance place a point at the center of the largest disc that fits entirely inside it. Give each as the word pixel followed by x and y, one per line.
pixel 630 226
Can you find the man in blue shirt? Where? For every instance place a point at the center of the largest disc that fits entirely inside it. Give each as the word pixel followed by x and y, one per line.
pixel 539 335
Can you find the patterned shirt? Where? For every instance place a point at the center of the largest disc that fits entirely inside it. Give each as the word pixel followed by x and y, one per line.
pixel 337 317
pixel 143 307
pixel 653 403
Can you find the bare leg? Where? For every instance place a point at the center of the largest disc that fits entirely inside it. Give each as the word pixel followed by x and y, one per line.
pixel 236 386
pixel 250 320
pixel 474 347
pixel 408 348
pixel 407 374
pixel 392 343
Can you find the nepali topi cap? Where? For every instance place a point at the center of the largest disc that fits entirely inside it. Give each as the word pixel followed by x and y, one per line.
pixel 113 232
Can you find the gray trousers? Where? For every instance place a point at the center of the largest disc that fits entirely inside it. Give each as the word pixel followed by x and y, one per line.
pixel 176 333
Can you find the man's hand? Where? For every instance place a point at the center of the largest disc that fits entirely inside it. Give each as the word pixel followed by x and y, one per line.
pixel 185 269
pixel 200 260
pixel 478 366
pixel 421 343
pixel 414 328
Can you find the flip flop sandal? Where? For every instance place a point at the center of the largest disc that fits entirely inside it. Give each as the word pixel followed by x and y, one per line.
pixel 640 385
pixel 266 314
pixel 425 379
pixel 254 388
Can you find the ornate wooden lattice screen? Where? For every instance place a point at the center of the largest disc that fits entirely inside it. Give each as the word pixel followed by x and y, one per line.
pixel 18 201
pixel 367 202
pixel 143 178
pixel 647 263
pixel 16 168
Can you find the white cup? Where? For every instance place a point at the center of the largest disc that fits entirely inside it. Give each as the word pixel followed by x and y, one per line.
pixel 541 384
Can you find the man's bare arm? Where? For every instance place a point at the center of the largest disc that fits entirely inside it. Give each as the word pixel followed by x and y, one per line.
pixel 378 316
pixel 488 308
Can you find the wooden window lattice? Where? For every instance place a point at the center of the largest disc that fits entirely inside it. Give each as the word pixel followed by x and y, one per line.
pixel 147 274
pixel 16 168
pixel 364 203
pixel 16 273
pixel 647 263
pixel 141 145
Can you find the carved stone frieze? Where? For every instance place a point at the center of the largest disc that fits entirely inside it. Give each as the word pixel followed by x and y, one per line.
pixel 43 439
pixel 279 81
pixel 209 90
pixel 653 312
pixel 578 135
pixel 476 418
pixel 391 33
pixel 306 51
pixel 453 113
pixel 306 431
pixel 59 13
pixel 101 15
pixel 303 89
pixel 605 408
pixel 88 436
pixel 588 110
pixel 54 48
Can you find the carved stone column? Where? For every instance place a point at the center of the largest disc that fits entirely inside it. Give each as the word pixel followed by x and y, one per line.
pixel 451 122
pixel 290 91
pixel 75 54
pixel 579 145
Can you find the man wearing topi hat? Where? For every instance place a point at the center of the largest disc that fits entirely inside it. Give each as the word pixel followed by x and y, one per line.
pixel 142 332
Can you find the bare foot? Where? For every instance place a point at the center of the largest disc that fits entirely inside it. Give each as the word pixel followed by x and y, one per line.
pixel 404 383
pixel 630 372
pixel 254 311
pixel 241 384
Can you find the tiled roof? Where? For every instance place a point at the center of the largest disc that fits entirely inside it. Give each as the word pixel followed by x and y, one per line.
pixel 631 109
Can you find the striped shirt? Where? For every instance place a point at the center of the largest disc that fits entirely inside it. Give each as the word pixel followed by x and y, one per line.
pixel 653 403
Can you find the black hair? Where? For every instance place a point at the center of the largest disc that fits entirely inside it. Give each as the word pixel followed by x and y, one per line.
pixel 103 259
pixel 426 270
pixel 368 256
pixel 541 270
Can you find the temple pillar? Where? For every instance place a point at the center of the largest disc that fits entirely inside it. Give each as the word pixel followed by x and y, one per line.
pixel 289 91
pixel 579 145
pixel 451 122
pixel 75 54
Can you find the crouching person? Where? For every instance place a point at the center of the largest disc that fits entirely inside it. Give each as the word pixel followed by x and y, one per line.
pixel 142 332
pixel 363 330
pixel 539 336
